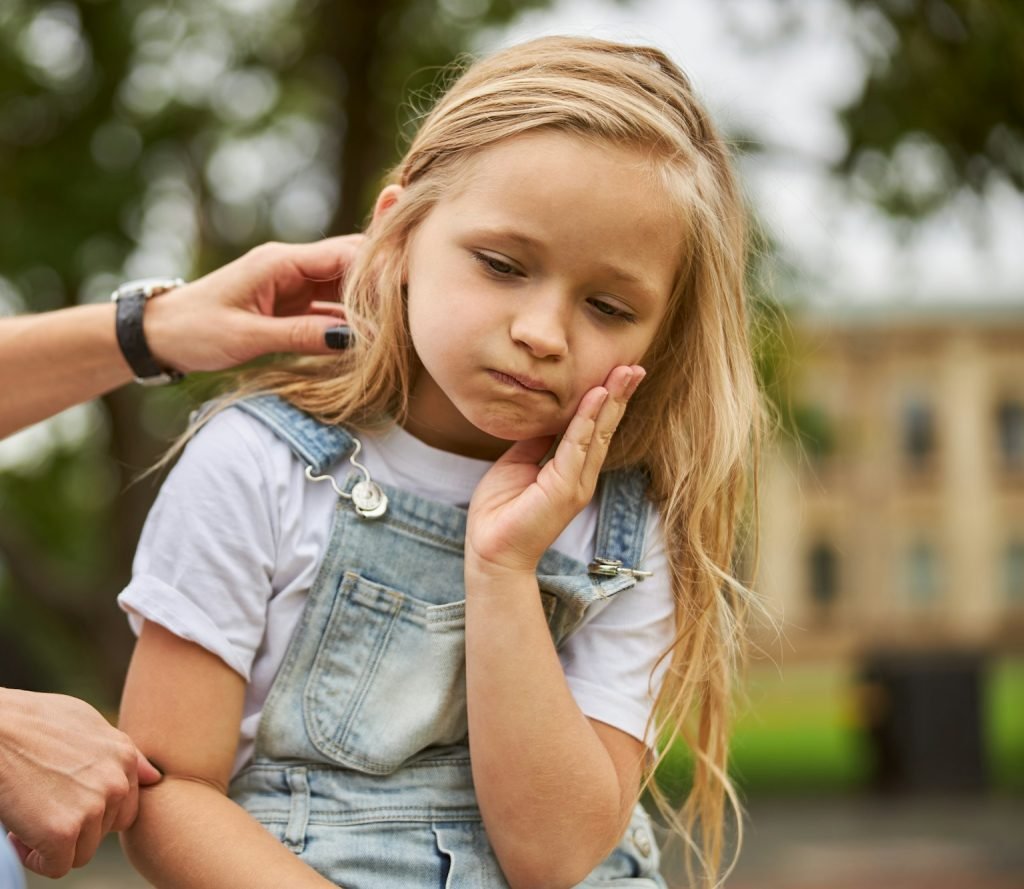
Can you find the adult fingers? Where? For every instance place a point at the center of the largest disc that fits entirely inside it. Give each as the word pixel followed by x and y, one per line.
pixel 93 830
pixel 304 333
pixel 327 259
pixel 147 772
pixel 121 812
pixel 54 861
pixel 325 307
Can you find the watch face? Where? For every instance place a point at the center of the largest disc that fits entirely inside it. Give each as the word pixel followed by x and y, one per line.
pixel 147 286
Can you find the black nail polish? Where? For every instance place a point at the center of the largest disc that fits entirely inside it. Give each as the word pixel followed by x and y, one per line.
pixel 340 337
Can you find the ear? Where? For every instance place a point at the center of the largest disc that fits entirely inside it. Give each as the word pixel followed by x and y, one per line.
pixel 386 200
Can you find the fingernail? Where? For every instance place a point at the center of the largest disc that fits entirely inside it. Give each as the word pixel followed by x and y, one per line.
pixel 636 379
pixel 339 337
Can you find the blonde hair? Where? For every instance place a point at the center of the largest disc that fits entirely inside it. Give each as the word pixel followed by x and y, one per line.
pixel 691 426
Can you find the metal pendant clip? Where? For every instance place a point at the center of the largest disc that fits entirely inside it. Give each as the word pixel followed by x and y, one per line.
pixel 368 499
pixel 614 567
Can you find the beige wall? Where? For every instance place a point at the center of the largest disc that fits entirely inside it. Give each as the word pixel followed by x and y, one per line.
pixel 867 501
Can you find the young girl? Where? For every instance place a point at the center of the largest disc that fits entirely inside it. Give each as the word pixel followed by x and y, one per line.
pixel 422 615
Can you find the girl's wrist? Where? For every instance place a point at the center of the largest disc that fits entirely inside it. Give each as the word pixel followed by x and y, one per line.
pixel 482 574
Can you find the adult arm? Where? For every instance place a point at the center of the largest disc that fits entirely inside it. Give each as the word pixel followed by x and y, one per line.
pixel 67 777
pixel 555 789
pixel 182 705
pixel 277 297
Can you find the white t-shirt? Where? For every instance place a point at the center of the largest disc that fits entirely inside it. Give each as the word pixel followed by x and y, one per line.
pixel 233 543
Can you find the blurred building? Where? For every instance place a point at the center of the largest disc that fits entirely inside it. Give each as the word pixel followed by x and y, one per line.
pixel 899 522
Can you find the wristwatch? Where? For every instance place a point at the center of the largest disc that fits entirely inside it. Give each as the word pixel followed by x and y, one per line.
pixel 131 303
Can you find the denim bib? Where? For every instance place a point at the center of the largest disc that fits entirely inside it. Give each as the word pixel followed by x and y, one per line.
pixel 361 762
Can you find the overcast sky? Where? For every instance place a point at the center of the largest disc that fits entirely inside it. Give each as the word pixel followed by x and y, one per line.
pixel 786 93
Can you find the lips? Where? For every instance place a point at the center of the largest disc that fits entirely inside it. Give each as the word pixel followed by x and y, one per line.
pixel 520 381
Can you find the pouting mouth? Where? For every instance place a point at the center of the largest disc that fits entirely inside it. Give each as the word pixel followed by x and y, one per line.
pixel 520 381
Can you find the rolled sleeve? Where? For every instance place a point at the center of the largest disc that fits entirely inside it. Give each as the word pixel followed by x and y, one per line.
pixel 204 566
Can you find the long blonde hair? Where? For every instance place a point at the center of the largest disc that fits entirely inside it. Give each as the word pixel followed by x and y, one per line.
pixel 691 426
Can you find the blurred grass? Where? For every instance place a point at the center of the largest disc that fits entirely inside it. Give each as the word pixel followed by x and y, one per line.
pixel 1005 725
pixel 799 733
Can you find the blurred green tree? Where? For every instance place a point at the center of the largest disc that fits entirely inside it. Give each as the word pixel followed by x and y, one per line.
pixel 140 138
pixel 942 107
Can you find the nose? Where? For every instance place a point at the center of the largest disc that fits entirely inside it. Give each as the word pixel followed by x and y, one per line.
pixel 540 325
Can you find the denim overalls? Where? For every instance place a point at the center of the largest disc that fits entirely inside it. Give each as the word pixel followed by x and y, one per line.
pixel 361 762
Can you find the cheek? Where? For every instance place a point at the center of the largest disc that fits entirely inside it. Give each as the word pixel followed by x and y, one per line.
pixel 601 362
pixel 423 328
pixel 442 334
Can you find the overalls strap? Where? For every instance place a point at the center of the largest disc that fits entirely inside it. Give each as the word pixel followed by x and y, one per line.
pixel 622 521
pixel 315 443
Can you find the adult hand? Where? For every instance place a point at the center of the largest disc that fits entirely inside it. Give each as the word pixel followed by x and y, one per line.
pixel 275 298
pixel 67 777
pixel 519 508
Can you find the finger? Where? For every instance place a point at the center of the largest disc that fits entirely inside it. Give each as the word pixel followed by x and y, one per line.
pixel 19 847
pixel 88 841
pixel 303 334
pixel 124 814
pixel 326 307
pixel 327 259
pixel 146 772
pixel 622 383
pixel 53 863
pixel 571 454
pixel 121 814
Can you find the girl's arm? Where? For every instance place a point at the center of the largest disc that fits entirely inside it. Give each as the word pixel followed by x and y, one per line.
pixel 555 789
pixel 182 706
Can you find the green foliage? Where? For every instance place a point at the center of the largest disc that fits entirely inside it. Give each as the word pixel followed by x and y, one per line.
pixel 943 105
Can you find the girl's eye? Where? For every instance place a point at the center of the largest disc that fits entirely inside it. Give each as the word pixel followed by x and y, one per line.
pixel 494 265
pixel 612 311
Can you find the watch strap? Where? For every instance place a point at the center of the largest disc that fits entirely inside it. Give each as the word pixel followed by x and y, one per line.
pixel 132 340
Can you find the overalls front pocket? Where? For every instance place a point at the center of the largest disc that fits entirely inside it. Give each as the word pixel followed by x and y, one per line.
pixel 388 678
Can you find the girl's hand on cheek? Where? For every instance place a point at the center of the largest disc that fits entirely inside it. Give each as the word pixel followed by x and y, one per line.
pixel 519 508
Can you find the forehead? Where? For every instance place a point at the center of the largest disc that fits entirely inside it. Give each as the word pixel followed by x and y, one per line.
pixel 574 198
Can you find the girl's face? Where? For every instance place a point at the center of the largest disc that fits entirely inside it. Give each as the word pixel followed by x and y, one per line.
pixel 549 265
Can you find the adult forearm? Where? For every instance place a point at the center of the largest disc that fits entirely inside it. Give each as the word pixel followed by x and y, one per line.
pixel 190 836
pixel 52 361
pixel 548 789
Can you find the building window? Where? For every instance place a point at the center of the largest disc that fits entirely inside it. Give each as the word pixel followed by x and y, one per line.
pixel 918 433
pixel 922 568
pixel 1013 572
pixel 823 568
pixel 1010 420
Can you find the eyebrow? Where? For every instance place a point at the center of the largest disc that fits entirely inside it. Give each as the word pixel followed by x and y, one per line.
pixel 607 269
pixel 509 234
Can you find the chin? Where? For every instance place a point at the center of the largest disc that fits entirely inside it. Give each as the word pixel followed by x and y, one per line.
pixel 510 423
pixel 513 431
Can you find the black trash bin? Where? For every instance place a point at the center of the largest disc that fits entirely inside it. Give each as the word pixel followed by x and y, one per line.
pixel 923 717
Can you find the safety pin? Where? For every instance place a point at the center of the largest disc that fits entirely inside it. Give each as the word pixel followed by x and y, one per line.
pixel 614 567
